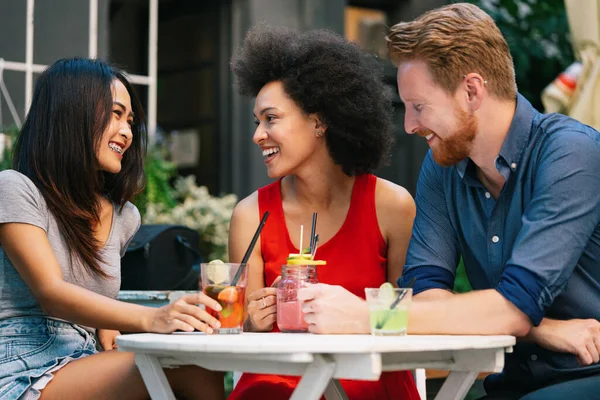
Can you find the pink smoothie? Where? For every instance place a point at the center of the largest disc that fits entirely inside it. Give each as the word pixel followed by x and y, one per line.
pixel 290 318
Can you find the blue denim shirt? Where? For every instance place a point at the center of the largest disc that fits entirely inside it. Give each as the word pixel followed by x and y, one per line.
pixel 538 244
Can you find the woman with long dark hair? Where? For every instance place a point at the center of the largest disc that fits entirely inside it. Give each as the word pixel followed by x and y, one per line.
pixel 65 222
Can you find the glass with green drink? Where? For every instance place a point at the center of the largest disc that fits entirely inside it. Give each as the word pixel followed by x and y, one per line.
pixel 388 309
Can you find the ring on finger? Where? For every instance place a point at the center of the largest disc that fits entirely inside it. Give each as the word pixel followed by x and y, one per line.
pixel 263 304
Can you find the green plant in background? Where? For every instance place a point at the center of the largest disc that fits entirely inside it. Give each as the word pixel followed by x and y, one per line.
pixel 159 174
pixel 197 209
pixel 171 199
pixel 10 134
pixel 537 32
pixel 461 282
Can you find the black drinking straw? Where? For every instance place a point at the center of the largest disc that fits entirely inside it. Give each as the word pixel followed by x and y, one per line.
pixel 236 278
pixel 312 233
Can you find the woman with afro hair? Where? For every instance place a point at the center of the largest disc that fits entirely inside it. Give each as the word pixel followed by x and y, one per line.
pixel 323 124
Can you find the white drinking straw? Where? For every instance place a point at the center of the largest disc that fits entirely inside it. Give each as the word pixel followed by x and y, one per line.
pixel 301 234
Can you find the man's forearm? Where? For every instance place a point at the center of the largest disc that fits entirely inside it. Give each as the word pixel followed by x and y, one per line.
pixel 434 294
pixel 481 312
pixel 536 331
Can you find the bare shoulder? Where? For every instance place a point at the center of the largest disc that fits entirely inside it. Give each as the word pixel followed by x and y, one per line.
pixel 244 221
pixel 392 199
pixel 245 213
pixel 247 208
pixel 396 211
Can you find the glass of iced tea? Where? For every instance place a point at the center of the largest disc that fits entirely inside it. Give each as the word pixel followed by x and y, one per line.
pixel 217 279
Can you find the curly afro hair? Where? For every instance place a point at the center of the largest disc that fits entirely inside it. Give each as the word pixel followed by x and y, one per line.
pixel 325 74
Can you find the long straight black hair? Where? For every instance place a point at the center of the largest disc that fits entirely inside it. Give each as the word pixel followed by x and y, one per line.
pixel 57 146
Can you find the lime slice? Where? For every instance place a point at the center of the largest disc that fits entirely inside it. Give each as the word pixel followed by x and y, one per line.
pixel 386 292
pixel 216 272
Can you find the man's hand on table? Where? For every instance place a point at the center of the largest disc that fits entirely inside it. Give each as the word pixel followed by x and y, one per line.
pixel 576 336
pixel 333 309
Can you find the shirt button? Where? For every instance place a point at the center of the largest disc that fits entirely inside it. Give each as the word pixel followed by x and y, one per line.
pixel 513 166
pixel 487 195
pixel 534 357
pixel 495 239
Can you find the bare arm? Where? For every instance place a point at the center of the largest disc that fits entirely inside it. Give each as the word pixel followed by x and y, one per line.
pixel 434 294
pixel 483 312
pixel 480 312
pixel 261 301
pixel 544 334
pixel 395 214
pixel 244 221
pixel 580 337
pixel 30 252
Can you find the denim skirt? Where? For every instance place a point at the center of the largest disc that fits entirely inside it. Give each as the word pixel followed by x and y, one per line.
pixel 32 348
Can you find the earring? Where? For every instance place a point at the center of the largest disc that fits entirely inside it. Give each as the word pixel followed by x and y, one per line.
pixel 319 133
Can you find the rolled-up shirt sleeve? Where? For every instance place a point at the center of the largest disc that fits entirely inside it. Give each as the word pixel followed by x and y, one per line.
pixel 557 223
pixel 433 252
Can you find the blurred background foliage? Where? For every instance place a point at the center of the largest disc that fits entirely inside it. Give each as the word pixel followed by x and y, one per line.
pixel 159 173
pixel 537 32
pixel 11 133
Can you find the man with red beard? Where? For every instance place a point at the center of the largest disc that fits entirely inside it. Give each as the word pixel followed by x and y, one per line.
pixel 513 192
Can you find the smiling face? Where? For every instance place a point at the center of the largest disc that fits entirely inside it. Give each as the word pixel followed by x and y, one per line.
pixel 435 115
pixel 116 138
pixel 286 136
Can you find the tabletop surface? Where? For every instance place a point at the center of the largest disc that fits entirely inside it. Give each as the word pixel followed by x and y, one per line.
pixel 276 343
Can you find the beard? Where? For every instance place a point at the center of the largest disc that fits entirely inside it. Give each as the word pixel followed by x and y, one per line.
pixel 457 145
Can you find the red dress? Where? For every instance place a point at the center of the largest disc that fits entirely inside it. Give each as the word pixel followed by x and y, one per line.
pixel 356 259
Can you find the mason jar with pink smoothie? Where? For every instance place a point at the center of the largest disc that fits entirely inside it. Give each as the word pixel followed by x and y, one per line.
pixel 295 275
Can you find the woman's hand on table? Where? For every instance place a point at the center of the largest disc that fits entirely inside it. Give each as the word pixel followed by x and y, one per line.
pixel 185 315
pixel 262 309
pixel 333 309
